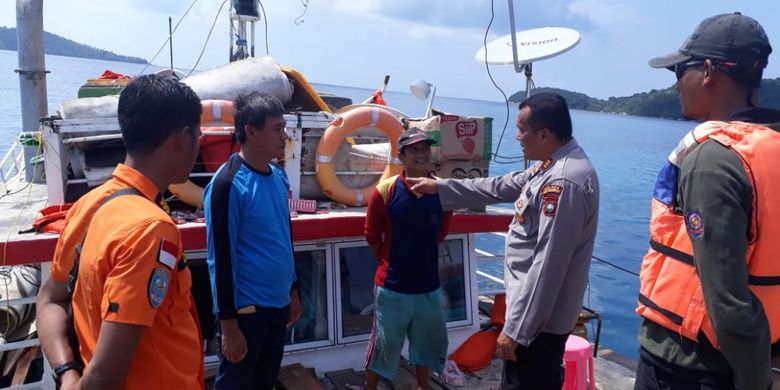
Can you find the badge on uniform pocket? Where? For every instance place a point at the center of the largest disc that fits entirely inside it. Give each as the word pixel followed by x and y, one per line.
pixel 519 210
pixel 158 286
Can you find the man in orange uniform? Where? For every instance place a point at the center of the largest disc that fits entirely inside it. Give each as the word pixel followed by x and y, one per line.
pixel 132 301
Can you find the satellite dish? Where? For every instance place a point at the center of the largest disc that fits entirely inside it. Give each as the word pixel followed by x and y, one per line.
pixel 532 46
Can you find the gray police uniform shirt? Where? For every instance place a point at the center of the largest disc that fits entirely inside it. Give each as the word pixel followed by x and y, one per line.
pixel 550 240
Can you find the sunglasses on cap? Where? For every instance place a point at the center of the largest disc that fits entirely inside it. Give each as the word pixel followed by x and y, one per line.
pixel 679 69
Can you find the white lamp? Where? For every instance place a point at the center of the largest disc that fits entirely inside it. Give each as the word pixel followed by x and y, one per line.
pixel 423 90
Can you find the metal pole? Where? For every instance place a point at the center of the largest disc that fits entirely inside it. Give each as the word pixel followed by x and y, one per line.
pixel 32 72
pixel 170 41
pixel 32 66
pixel 518 67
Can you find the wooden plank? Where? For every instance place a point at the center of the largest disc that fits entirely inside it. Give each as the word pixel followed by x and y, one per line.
pixel 405 377
pixel 405 369
pixel 345 379
pixel 296 377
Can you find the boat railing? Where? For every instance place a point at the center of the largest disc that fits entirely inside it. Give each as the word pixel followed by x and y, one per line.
pixel 12 164
pixel 586 315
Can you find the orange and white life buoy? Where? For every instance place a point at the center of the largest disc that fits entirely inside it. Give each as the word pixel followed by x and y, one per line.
pixel 333 137
pixel 217 111
pixel 216 114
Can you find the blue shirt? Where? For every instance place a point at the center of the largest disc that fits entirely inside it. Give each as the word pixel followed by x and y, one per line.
pixel 250 253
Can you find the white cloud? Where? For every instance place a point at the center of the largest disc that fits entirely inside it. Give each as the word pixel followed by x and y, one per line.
pixel 607 14
pixel 356 6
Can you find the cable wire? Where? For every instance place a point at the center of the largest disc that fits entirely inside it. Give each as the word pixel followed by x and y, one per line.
pixel 168 38
pixel 299 19
pixel 496 155
pixel 265 21
pixel 216 17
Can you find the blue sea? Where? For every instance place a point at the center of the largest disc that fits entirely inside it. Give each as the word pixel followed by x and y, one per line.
pixel 627 152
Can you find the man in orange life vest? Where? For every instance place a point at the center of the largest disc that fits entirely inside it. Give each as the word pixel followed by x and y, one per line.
pixel 132 306
pixel 710 282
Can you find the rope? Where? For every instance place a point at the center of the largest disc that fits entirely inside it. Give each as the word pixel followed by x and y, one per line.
pixel 207 39
pixel 614 265
pixel 496 156
pixel 167 39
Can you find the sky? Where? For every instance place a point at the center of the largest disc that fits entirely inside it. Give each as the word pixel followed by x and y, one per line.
pixel 356 42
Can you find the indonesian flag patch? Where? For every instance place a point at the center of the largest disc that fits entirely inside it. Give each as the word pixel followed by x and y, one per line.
pixel 169 252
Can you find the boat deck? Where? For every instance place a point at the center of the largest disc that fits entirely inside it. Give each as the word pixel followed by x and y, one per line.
pixel 19 205
pixel 612 372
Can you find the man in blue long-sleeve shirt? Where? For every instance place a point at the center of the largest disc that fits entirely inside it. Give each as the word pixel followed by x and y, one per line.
pixel 250 253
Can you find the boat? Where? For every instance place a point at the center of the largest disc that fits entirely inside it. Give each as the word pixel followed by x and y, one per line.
pixel 334 264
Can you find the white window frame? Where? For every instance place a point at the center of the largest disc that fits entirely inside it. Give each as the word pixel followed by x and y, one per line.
pixel 329 299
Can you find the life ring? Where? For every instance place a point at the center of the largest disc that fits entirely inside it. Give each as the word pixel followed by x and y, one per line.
pixel 214 112
pixel 217 111
pixel 335 134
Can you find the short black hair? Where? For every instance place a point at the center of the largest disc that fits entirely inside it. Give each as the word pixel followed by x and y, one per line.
pixel 251 109
pixel 151 108
pixel 549 110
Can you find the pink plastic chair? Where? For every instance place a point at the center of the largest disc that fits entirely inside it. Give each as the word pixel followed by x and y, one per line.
pixel 578 357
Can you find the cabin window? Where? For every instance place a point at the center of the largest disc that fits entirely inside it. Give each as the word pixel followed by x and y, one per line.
pixel 313 267
pixel 453 280
pixel 355 271
pixel 355 281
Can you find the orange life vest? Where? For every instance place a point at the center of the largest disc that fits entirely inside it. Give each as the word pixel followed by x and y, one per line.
pixel 670 293
pixel 52 219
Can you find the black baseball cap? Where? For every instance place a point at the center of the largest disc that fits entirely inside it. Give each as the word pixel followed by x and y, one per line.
pixel 732 38
pixel 413 136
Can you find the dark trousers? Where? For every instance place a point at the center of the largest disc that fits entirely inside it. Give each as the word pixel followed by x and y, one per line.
pixel 539 366
pixel 265 332
pixel 652 373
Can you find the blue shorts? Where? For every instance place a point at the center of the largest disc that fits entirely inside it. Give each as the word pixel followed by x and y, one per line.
pixel 397 316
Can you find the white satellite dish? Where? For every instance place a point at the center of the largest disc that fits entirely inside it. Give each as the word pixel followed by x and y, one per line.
pixel 532 46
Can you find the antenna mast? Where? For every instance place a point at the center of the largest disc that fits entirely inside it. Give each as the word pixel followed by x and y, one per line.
pixel 242 12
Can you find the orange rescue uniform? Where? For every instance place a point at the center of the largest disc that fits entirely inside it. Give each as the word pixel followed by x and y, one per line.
pixel 132 272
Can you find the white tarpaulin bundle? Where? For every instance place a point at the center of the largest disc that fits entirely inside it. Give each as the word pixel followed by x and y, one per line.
pixel 93 107
pixel 252 74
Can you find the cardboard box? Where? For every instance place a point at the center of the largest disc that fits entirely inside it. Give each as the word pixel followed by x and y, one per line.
pixel 458 137
pixel 461 169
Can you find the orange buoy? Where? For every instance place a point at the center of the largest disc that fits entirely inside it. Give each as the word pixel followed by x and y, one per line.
pixel 336 133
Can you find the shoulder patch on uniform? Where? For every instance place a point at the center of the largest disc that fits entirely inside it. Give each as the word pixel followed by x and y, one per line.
pixel 158 286
pixel 550 195
pixel 694 222
pixel 552 188
pixel 542 166
pixel 168 253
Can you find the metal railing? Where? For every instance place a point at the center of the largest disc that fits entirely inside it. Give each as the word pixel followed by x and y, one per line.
pixel 12 164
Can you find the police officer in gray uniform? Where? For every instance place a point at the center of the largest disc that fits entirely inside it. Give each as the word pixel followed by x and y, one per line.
pixel 549 243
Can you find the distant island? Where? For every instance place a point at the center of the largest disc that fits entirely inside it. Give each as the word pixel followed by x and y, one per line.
pixel 662 103
pixel 57 45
